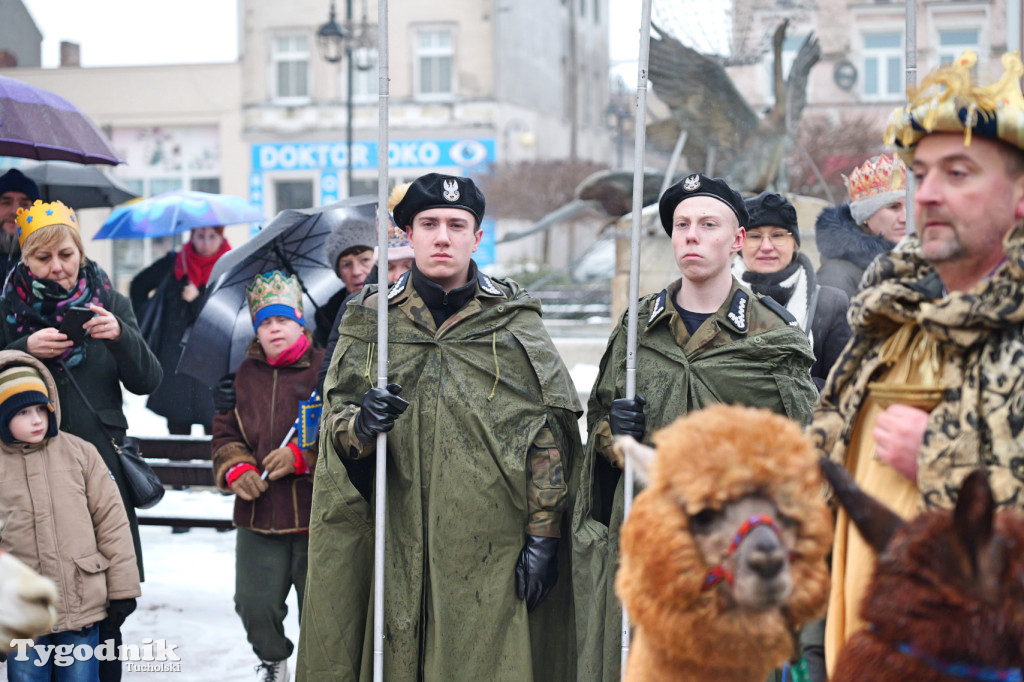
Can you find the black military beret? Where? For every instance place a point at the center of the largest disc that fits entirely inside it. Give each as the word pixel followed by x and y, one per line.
pixel 434 190
pixel 769 208
pixel 700 185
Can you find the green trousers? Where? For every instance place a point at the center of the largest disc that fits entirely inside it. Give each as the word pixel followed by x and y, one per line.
pixel 266 567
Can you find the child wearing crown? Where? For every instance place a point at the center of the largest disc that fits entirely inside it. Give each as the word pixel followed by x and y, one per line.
pixel 871 223
pixel 270 476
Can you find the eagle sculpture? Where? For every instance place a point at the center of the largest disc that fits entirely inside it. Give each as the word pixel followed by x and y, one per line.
pixel 749 149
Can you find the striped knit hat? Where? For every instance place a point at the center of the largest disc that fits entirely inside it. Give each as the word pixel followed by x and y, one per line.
pixel 20 387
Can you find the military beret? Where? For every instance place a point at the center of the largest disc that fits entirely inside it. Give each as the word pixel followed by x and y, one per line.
pixel 434 190
pixel 773 209
pixel 700 185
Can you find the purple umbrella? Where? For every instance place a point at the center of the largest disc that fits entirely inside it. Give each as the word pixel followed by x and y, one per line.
pixel 37 124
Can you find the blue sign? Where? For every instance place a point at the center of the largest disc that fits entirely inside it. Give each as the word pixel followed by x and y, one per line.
pixel 485 252
pixel 466 153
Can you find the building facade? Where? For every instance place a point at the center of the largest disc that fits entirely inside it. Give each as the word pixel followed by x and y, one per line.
pixel 473 83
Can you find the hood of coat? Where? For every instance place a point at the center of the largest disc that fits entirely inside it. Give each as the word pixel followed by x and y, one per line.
pixel 840 237
pixel 9 358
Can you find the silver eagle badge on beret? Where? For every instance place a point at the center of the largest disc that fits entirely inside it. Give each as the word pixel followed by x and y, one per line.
pixel 692 183
pixel 451 190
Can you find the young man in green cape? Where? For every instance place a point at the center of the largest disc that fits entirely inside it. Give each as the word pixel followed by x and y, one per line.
pixel 703 340
pixel 480 443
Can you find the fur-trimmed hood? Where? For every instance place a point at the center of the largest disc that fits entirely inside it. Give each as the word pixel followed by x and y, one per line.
pixel 840 237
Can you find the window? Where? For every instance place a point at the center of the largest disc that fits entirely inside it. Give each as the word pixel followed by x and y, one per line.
pixel 953 42
pixel 291 67
pixel 364 81
pixel 883 76
pixel 790 48
pixel 434 60
pixel 293 194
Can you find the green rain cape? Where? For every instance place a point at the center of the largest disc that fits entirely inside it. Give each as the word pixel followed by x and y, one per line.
pixel 750 356
pixel 479 392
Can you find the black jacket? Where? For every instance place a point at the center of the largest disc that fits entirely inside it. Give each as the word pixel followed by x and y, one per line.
pixel 164 317
pixel 846 250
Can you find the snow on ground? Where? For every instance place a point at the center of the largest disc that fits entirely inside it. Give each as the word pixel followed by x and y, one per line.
pixel 188 596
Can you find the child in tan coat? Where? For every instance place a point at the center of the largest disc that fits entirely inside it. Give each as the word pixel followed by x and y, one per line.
pixel 65 520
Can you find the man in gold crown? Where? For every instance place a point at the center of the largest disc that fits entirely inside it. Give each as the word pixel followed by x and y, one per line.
pixel 482 434
pixel 851 235
pixel 929 388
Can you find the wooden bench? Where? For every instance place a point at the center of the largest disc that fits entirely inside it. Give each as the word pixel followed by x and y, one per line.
pixel 180 461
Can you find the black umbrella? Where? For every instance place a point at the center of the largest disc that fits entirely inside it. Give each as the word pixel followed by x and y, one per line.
pixel 76 185
pixel 293 242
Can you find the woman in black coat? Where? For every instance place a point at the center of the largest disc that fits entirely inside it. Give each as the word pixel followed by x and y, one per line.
pixel 177 282
pixel 53 276
pixel 771 264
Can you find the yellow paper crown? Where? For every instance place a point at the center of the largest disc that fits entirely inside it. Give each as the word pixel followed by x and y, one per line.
pixel 948 102
pixel 878 175
pixel 273 288
pixel 42 215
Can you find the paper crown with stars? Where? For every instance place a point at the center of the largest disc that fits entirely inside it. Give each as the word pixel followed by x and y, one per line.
pixel 41 215
pixel 948 102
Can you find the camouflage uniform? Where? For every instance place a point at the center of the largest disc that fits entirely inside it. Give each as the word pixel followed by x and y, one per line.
pixel 478 461
pixel 750 352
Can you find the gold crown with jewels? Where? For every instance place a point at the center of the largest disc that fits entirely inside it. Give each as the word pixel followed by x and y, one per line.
pixel 878 175
pixel 274 288
pixel 947 101
pixel 41 215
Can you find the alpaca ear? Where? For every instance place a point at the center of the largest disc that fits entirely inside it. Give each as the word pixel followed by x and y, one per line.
pixel 876 522
pixel 972 521
pixel 639 454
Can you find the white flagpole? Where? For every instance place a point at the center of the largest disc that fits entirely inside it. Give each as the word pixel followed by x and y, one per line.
pixel 634 263
pixel 911 81
pixel 383 222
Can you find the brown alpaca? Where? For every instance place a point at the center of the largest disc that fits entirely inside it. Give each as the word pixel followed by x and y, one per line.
pixel 947 594
pixel 713 469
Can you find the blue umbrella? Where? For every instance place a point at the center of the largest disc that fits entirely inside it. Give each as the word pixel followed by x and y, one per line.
pixel 177 211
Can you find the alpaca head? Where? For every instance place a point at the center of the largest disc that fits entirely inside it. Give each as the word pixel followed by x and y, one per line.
pixel 948 584
pixel 733 523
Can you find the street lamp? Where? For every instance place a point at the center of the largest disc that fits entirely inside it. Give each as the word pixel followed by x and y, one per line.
pixel 336 41
pixel 331 38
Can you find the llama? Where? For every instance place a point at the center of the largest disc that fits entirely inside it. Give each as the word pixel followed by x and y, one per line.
pixel 946 600
pixel 26 601
pixel 723 554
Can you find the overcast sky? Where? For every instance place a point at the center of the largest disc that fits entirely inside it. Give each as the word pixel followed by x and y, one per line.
pixel 135 32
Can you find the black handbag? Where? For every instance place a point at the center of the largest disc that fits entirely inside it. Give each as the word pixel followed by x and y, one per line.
pixel 143 485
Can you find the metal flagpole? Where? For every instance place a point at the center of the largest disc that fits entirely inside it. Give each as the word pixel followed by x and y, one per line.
pixel 383 222
pixel 911 82
pixel 634 262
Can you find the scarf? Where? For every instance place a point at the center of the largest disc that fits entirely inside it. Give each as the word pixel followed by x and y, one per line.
pixel 197 267
pixel 290 354
pixel 37 303
pixel 791 286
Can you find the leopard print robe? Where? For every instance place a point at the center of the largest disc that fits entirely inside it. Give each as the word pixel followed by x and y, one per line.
pixel 980 419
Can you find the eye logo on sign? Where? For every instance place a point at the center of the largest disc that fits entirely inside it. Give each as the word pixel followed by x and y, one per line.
pixel 468 153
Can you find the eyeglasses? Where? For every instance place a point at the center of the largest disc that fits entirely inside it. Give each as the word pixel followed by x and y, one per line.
pixel 777 238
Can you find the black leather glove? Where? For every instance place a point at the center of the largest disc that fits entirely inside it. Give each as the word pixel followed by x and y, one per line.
pixel 536 570
pixel 378 412
pixel 626 417
pixel 224 393
pixel 119 610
